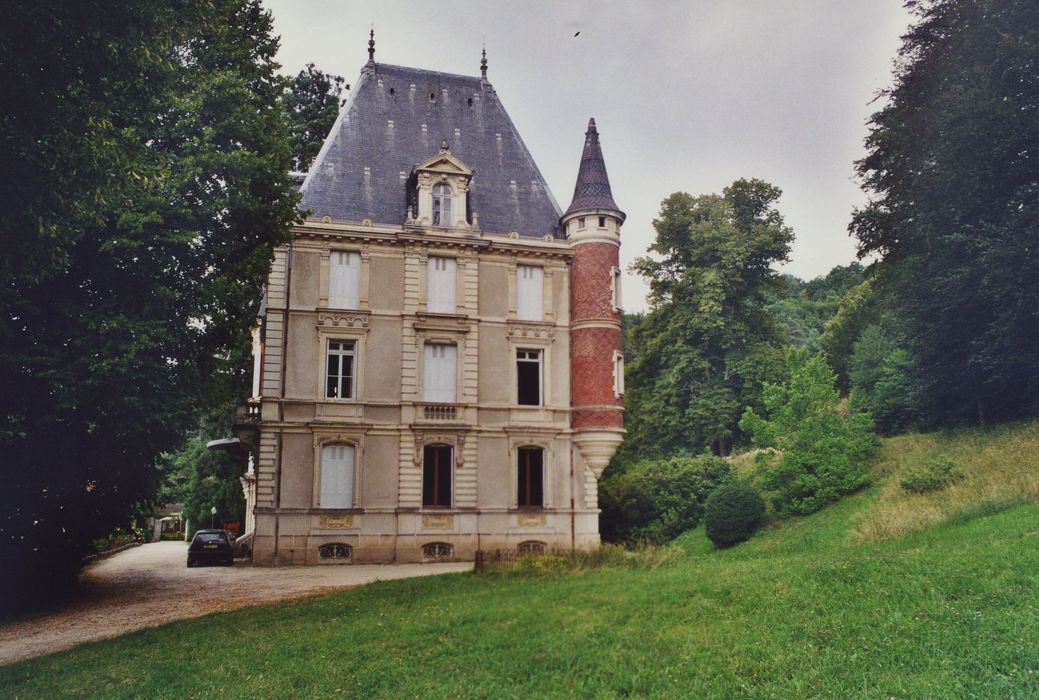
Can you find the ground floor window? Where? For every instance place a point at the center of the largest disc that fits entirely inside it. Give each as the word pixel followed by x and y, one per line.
pixel 436 476
pixel 530 491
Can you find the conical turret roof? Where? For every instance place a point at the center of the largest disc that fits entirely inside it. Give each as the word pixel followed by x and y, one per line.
pixel 593 184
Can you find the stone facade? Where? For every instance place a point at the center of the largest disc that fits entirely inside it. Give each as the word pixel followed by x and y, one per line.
pixel 432 479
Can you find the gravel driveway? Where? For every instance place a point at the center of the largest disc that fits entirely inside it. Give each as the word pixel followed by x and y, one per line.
pixel 151 585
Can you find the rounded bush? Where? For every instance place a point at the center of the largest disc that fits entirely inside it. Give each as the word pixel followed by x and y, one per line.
pixel 732 513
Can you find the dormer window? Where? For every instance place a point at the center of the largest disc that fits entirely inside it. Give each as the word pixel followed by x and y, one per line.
pixel 442 197
pixel 437 192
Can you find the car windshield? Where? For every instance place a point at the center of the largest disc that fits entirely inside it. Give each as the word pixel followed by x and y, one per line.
pixel 209 537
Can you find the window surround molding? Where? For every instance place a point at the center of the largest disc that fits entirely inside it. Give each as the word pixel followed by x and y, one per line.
pixel 618 374
pixel 530 335
pixel 615 290
pixel 548 272
pixel 352 328
pixel 442 169
pixel 329 437
pixel 463 263
pixel 455 439
pixel 539 441
pixel 325 276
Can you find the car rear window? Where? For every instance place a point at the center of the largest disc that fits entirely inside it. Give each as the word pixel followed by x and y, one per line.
pixel 207 537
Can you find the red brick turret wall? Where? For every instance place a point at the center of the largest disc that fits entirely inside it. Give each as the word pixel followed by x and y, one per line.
pixel 592 348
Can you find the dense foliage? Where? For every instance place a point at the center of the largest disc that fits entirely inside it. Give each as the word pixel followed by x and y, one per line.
pixel 151 186
pixel 311 102
pixel 707 344
pixel 953 172
pixel 657 501
pixel 814 449
pixel 803 309
pixel 732 513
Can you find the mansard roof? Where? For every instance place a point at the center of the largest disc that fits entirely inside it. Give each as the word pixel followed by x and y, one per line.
pixel 592 190
pixel 396 118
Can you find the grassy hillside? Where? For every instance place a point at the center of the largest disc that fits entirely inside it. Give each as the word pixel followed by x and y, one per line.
pixel 808 608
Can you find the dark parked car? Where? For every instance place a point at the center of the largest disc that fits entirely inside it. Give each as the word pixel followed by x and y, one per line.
pixel 210 547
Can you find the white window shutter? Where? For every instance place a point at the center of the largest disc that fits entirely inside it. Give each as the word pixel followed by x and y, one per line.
pixel 440 288
pixel 337 476
pixel 530 293
pixel 440 367
pixel 344 286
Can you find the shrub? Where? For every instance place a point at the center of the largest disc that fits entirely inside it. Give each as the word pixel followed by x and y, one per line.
pixel 821 446
pixel 657 501
pixel 732 513
pixel 934 475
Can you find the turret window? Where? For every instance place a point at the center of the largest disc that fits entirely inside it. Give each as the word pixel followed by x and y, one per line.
pixel 602 222
pixel 618 374
pixel 442 205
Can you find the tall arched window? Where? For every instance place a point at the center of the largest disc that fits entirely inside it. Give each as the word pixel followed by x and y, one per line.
pixel 442 205
pixel 337 476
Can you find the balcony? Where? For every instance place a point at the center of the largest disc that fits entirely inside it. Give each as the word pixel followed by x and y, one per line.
pixel 249 412
pixel 438 412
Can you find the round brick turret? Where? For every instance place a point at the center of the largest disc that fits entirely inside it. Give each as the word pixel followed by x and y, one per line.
pixel 592 224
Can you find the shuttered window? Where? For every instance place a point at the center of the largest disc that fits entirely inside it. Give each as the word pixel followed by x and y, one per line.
pixel 337 476
pixel 530 293
pixel 344 286
pixel 440 369
pixel 440 292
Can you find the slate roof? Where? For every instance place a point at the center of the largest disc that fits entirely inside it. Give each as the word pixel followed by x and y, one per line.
pixel 592 190
pixel 397 117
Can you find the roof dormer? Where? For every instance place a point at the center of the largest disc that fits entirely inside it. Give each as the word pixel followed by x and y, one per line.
pixel 438 191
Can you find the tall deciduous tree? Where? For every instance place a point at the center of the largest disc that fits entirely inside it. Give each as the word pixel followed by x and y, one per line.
pixel 150 186
pixel 707 344
pixel 312 102
pixel 953 170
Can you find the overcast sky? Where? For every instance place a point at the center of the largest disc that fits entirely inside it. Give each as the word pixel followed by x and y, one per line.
pixel 687 96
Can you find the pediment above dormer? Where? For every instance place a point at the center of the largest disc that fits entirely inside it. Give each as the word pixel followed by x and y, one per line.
pixel 438 192
pixel 445 163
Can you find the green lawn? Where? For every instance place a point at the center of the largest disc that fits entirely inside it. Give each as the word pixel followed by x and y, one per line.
pixel 805 609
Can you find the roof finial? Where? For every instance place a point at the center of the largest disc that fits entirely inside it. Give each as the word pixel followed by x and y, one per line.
pixel 483 64
pixel 371 46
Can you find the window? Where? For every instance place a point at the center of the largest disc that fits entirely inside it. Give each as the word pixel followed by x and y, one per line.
pixel 531 547
pixel 530 492
pixel 530 293
pixel 437 550
pixel 528 377
pixel 615 288
pixel 440 285
pixel 337 476
pixel 580 222
pixel 618 374
pixel 436 476
pixel 340 363
pixel 440 367
pixel 335 550
pixel 344 284
pixel 602 222
pixel 442 205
